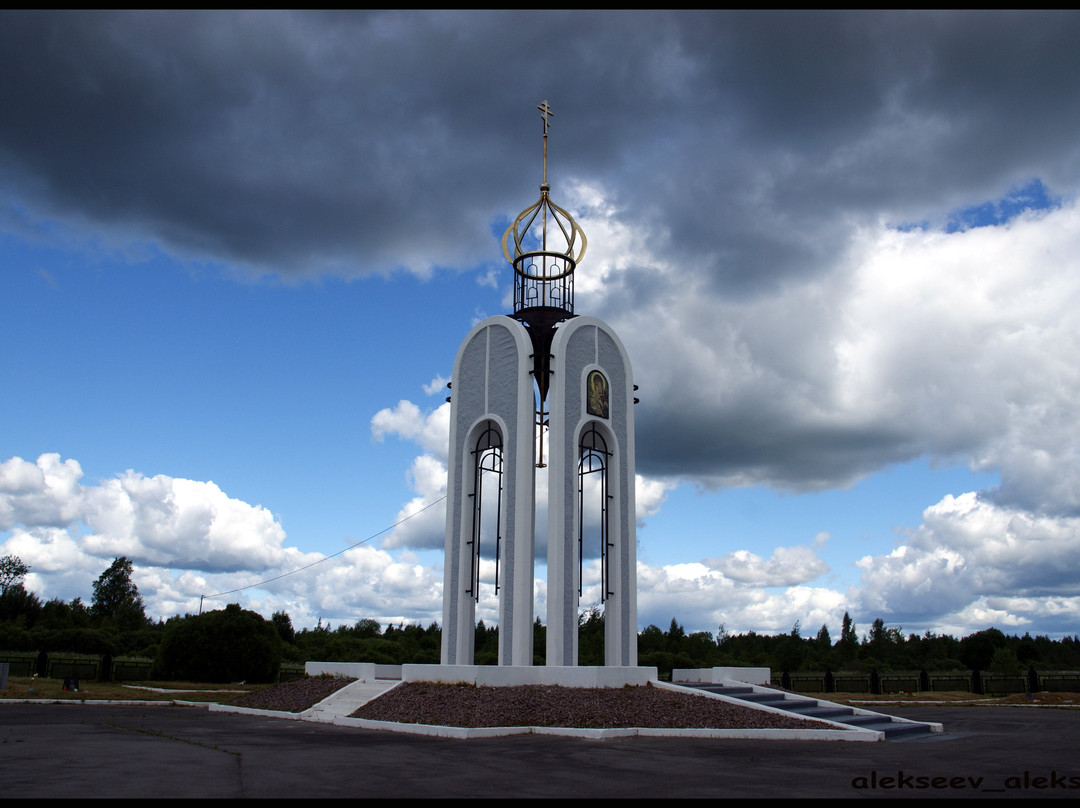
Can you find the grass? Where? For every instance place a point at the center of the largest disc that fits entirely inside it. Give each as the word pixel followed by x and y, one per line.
pixel 20 687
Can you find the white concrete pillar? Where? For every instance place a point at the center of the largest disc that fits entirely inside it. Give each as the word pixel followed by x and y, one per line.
pixel 491 386
pixel 580 346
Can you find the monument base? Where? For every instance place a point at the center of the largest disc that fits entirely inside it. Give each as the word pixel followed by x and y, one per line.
pixel 515 675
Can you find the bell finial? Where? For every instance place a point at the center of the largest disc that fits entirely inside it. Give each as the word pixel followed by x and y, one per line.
pixel 566 240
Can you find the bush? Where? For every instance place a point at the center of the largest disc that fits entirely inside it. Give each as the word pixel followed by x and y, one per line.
pixel 232 645
pixel 76 641
pixel 661 660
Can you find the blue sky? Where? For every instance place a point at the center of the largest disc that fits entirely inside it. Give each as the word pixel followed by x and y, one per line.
pixel 238 252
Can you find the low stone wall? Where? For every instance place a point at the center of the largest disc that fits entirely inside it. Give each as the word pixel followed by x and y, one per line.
pixel 364 671
pixel 717 676
pixel 512 676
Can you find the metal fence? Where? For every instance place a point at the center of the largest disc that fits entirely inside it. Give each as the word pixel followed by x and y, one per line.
pixel 980 682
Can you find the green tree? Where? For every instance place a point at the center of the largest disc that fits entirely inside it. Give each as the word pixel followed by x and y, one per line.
pixel 650 640
pixel 673 639
pixel 232 645
pixel 848 637
pixel 19 606
pixel 1004 661
pixel 701 648
pixel 12 571
pixel 722 635
pixel 877 634
pixel 283 623
pixel 485 644
pixel 977 650
pixel 367 628
pixel 591 637
pixel 847 647
pixel 539 641
pixel 790 652
pixel 117 597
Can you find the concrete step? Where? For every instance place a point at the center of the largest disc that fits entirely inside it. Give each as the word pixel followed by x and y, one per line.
pixel 765 697
pixel 816 710
pixel 893 729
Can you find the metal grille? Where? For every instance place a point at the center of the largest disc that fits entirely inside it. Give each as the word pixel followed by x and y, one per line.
pixel 487 477
pixel 593 467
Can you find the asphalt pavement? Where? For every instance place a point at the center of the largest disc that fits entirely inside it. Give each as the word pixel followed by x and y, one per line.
pixel 88 751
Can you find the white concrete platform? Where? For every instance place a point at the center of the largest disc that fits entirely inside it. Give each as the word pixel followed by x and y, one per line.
pixel 515 676
pixel 337 708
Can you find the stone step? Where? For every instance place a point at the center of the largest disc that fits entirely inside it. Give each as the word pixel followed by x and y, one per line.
pixel 765 697
pixel 816 710
pixel 726 690
pixel 813 708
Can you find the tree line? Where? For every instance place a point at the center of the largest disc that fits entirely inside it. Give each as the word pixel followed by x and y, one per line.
pixel 234 644
pixel 881 648
pixel 114 622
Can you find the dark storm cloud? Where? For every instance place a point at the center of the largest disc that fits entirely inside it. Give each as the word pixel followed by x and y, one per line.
pixel 744 446
pixel 749 147
pixel 349 143
pixel 359 142
pixel 805 123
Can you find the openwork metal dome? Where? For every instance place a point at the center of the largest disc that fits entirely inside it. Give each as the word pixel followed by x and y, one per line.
pixel 544 244
pixel 556 233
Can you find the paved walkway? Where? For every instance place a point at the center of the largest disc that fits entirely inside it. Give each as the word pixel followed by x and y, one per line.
pixel 348 700
pixel 72 750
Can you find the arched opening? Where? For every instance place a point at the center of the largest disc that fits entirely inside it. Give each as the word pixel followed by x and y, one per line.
pixel 594 540
pixel 485 541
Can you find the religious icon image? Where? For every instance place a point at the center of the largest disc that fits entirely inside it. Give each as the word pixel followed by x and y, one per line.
pixel 598 395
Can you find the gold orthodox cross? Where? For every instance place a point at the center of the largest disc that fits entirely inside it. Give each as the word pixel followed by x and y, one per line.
pixel 545 111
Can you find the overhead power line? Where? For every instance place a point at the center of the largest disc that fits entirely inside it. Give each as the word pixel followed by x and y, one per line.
pixel 321 560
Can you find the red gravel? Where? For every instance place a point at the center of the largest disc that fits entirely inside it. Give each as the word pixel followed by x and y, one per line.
pixel 461 705
pixel 293 697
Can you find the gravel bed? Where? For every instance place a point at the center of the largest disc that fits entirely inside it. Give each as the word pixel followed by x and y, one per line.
pixel 293 697
pixel 461 705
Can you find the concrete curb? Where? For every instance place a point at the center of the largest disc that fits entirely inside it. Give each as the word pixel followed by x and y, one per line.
pixel 336 708
pixel 323 713
pixel 112 702
pixel 466 733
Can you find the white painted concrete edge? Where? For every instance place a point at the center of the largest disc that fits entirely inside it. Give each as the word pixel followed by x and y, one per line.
pixel 934 727
pixel 109 702
pixel 320 714
pixel 511 676
pixel 466 733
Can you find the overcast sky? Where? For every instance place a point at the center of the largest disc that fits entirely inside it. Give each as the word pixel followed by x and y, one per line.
pixel 238 252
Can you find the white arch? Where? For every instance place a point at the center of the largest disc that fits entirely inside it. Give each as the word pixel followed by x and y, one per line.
pixel 491 382
pixel 580 346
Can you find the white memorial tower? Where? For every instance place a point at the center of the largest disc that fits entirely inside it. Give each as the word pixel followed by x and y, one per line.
pixel 541 375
